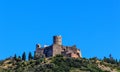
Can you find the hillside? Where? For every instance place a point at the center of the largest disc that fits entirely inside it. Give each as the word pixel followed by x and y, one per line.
pixel 58 64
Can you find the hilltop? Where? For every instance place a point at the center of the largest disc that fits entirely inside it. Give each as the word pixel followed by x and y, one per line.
pixel 59 63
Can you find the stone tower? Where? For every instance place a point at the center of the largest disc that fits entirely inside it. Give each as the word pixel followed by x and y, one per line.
pixel 38 46
pixel 57 40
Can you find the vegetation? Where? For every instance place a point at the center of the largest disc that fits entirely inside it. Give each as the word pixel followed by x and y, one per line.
pixel 30 57
pixel 24 56
pixel 58 64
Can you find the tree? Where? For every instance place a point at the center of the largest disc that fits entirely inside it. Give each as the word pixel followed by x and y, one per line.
pixel 15 56
pixel 30 57
pixel 105 59
pixel 24 56
pixel 110 57
pixel 19 57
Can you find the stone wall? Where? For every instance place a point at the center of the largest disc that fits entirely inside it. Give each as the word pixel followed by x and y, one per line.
pixel 74 55
pixel 39 52
pixel 57 49
pixel 48 51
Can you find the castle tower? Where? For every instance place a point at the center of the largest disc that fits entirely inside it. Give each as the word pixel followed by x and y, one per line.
pixel 57 40
pixel 38 46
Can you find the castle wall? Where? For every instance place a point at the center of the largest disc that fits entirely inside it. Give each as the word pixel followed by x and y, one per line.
pixel 56 49
pixel 39 52
pixel 48 51
pixel 74 55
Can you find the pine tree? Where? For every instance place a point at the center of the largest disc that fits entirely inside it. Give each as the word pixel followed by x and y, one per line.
pixel 24 56
pixel 15 56
pixel 19 57
pixel 30 57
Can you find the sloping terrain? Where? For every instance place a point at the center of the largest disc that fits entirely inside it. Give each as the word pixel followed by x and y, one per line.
pixel 57 64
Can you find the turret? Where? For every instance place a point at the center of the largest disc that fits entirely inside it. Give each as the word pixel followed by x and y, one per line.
pixel 57 40
pixel 38 46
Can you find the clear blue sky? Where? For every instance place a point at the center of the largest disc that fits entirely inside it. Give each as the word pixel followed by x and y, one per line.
pixel 93 25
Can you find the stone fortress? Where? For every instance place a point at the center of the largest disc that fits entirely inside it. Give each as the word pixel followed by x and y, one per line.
pixel 57 49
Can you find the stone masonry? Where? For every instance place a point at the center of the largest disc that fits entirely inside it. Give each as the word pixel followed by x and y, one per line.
pixel 57 48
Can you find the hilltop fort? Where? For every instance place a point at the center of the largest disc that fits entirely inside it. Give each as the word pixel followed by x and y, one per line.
pixel 57 48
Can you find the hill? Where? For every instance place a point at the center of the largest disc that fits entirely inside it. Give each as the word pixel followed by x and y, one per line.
pixel 58 64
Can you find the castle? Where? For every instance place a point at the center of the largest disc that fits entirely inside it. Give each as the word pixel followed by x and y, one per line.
pixel 57 48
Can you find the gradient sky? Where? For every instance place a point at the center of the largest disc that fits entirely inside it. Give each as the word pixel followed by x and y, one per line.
pixel 93 25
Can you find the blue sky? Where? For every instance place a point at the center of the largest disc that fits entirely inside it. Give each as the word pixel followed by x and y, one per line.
pixel 93 25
